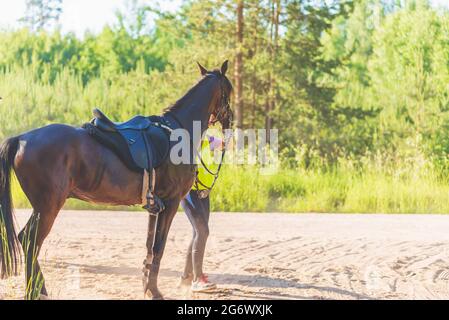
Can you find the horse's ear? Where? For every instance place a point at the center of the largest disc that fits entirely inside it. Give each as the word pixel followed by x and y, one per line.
pixel 202 69
pixel 224 68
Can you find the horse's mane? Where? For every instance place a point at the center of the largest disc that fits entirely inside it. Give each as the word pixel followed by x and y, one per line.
pixel 178 104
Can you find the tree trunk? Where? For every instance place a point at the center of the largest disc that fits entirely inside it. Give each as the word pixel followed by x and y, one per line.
pixel 254 71
pixel 238 70
pixel 272 94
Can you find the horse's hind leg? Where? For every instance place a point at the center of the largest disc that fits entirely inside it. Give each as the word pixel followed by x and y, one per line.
pixel 32 237
pixel 47 202
pixel 34 280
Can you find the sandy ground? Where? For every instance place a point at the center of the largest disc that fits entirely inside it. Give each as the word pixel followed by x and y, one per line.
pixel 98 255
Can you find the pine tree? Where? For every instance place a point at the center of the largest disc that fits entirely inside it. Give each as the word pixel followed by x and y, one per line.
pixel 41 14
pixel 239 64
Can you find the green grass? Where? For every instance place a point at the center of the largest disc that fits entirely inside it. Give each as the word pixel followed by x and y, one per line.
pixel 339 189
pixel 367 185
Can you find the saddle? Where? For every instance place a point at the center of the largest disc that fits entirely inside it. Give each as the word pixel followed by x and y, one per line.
pixel 142 143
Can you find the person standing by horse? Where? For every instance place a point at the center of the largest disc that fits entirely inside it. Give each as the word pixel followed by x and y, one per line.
pixel 58 161
pixel 197 208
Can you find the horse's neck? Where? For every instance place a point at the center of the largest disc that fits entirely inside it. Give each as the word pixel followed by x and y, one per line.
pixel 195 109
pixel 195 112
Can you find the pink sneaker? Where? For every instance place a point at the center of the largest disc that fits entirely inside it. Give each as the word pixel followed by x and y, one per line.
pixel 203 285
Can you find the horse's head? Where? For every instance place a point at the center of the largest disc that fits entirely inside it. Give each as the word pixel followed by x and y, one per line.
pixel 221 108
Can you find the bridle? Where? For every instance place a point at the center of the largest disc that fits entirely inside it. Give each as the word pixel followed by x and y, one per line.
pixel 223 115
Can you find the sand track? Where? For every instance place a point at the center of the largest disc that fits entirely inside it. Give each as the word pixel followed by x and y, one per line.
pixel 98 255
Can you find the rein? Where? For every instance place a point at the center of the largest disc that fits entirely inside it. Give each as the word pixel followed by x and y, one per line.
pixel 216 174
pixel 198 154
pixel 221 113
pixel 218 116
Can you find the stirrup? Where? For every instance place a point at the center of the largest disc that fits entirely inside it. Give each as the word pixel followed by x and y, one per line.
pixel 154 205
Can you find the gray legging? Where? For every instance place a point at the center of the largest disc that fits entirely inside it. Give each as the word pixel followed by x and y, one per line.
pixel 198 212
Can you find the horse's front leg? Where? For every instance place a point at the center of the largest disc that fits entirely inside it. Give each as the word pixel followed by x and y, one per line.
pixel 155 248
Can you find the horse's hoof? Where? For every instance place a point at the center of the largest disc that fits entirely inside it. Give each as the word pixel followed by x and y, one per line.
pixel 43 297
pixel 157 296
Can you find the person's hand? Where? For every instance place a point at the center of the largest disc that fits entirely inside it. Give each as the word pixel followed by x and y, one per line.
pixel 216 143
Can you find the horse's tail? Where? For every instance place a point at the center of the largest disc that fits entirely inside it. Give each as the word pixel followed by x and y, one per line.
pixel 9 243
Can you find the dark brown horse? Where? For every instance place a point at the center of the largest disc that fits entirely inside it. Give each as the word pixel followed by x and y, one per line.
pixel 58 162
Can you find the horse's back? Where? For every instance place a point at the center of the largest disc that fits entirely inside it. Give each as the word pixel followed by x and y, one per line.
pixel 60 154
pixel 46 144
pixel 50 133
pixel 56 140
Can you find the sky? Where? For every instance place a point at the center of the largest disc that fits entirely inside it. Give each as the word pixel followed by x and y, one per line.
pixel 81 15
pixel 78 15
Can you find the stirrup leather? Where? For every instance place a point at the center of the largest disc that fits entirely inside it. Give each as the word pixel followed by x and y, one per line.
pixel 154 205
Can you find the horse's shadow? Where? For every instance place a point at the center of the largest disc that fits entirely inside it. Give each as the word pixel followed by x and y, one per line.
pixel 227 280
pixel 257 281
